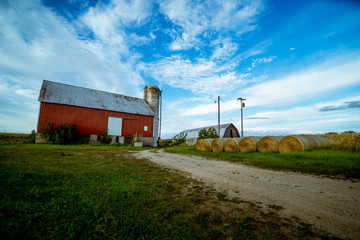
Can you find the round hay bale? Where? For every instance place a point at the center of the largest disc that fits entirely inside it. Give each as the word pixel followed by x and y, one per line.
pixel 232 145
pixel 328 141
pixel 205 145
pixel 248 144
pixel 218 144
pixel 198 143
pixel 297 143
pixel 322 141
pixel 269 144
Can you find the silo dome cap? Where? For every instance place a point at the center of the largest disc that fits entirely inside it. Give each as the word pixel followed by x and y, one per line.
pixel 152 86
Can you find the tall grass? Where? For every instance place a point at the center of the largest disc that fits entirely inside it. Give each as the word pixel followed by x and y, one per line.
pixel 102 192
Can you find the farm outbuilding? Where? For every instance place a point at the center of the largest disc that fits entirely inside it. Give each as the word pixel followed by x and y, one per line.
pixel 95 111
pixel 227 130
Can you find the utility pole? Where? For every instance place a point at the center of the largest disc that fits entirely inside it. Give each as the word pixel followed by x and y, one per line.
pixel 242 105
pixel 218 102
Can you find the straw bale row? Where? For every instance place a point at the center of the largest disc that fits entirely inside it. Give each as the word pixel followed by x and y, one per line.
pixel 291 143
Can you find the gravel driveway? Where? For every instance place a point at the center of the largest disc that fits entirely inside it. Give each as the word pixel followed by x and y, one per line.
pixel 329 204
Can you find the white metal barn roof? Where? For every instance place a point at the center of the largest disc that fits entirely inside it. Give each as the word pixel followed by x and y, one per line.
pixel 52 92
pixel 194 133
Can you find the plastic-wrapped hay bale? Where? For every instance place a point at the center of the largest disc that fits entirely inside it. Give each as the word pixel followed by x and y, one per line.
pixel 248 144
pixel 297 143
pixel 232 145
pixel 322 141
pixel 198 143
pixel 328 141
pixel 269 144
pixel 205 145
pixel 300 143
pixel 218 144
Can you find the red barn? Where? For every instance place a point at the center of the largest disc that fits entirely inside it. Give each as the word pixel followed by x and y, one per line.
pixel 94 111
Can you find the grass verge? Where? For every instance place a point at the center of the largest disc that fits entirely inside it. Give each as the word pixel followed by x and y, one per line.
pixel 102 192
pixel 329 162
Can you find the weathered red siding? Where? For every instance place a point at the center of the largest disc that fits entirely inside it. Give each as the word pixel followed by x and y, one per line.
pixel 93 121
pixel 233 129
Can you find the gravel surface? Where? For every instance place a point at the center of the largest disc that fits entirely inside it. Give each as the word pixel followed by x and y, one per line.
pixel 332 205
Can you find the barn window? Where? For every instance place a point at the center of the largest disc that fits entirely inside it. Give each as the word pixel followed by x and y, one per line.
pixel 145 128
pixel 114 126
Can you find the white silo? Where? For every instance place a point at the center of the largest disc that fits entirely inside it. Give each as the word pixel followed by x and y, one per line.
pixel 151 96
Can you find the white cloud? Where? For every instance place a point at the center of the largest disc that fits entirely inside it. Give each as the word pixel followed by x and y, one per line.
pixel 262 60
pixel 306 84
pixel 292 88
pixel 182 42
pixel 201 76
pixel 238 15
pixel 118 13
pixel 139 40
pixel 27 93
pixel 108 23
pixel 224 49
pixel 39 44
pixel 196 19
pixel 216 75
pixel 292 49
pixel 191 17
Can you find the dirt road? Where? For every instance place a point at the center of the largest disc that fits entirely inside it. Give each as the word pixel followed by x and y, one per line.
pixel 329 204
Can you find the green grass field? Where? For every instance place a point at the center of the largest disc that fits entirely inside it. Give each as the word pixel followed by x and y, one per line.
pixel 329 162
pixel 102 192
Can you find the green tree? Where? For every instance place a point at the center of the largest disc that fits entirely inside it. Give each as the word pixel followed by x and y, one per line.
pixel 208 133
pixel 48 132
pixel 62 135
pixel 67 134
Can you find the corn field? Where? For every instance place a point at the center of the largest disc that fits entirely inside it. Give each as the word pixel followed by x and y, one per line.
pixel 17 137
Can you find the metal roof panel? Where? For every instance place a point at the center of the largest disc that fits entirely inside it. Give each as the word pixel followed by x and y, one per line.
pixel 53 92
pixel 192 133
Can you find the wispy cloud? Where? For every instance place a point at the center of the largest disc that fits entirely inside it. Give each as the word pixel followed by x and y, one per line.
pixel 197 19
pixel 201 76
pixel 294 87
pixel 261 60
pixel 108 22
pixel 224 49
pixel 39 44
pixel 307 83
pixel 42 45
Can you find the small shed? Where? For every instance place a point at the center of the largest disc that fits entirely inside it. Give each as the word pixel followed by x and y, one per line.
pixel 227 130
pixel 94 111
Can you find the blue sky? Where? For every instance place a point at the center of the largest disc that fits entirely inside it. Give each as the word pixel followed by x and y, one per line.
pixel 296 62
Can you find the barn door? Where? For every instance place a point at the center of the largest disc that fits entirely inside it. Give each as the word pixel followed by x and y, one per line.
pixel 114 126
